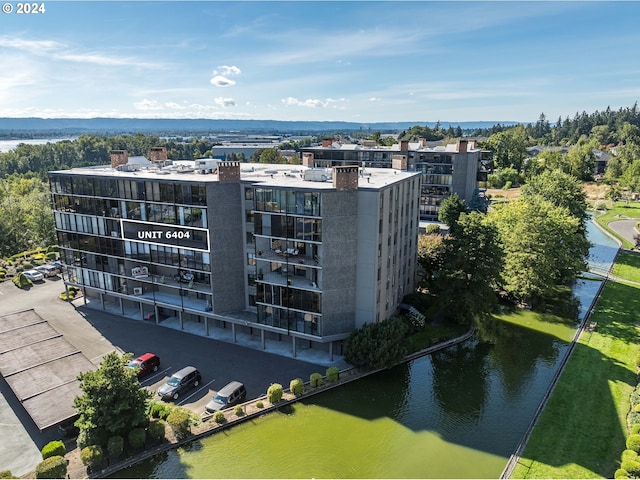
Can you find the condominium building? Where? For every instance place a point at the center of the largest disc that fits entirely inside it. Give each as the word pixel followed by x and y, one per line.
pixel 279 252
pixel 446 169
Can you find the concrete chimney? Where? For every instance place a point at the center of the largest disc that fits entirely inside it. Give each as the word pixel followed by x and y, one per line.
pixel 462 146
pixel 345 178
pixel 229 172
pixel 119 157
pixel 404 145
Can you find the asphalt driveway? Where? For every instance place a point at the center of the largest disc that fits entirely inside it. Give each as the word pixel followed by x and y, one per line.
pixel 97 333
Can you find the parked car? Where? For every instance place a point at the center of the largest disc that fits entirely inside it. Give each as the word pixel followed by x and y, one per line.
pixel 181 381
pixel 232 393
pixel 58 264
pixel 34 275
pixel 147 363
pixel 48 270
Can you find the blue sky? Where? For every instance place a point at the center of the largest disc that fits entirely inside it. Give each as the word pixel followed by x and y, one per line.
pixel 346 61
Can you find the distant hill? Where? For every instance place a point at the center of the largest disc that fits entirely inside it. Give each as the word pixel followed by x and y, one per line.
pixel 164 126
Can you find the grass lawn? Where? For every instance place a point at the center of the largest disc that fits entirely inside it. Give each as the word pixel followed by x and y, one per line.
pixel 619 211
pixel 582 430
pixel 627 266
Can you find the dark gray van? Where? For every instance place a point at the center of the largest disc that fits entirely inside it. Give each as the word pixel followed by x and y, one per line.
pixel 179 382
pixel 227 396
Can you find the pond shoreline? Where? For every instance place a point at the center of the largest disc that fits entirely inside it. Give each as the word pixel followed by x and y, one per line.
pixel 208 427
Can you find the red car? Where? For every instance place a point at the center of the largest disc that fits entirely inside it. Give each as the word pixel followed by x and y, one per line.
pixel 147 363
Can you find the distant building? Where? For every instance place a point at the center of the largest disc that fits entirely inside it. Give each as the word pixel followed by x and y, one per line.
pixel 445 169
pixel 275 251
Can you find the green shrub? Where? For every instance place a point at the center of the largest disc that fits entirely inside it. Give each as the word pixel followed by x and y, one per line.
pixel 637 408
pixel 378 345
pixel 633 443
pixel 259 404
pixel 27 266
pixel 52 256
pixel 629 455
pixel 90 437
pixel 621 473
pixel 635 428
pixel 21 281
pixel 631 466
pixel 315 380
pixel 179 422
pixel 136 438
pixel 432 229
pixel 7 474
pixel 92 456
pixel 54 448
pixel 219 417
pixel 296 386
pixel 332 374
pixel 159 410
pixel 157 429
pixel 115 446
pixel 638 359
pixel 52 467
pixel 239 411
pixel 274 393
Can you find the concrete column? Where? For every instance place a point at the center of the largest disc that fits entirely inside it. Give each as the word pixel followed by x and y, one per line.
pixel 181 320
pixel 233 332
pixel 293 343
pixel 331 350
pixel 121 306
pixel 264 345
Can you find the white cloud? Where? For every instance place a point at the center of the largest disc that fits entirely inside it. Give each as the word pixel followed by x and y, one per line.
pixel 222 73
pixel 146 104
pixel 220 81
pixel 314 102
pixel 374 99
pixel 228 70
pixel 225 102
pixel 60 51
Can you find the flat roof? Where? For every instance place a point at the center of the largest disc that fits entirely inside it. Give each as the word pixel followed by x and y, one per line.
pixel 276 175
pixel 41 367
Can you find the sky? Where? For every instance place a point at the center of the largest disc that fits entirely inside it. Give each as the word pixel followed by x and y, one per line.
pixel 357 61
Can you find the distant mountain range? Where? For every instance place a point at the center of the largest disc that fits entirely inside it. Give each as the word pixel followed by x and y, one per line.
pixel 143 125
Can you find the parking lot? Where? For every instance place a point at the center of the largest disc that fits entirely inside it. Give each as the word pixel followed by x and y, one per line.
pixel 97 333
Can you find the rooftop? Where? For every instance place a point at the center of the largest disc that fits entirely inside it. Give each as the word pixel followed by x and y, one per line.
pixel 276 175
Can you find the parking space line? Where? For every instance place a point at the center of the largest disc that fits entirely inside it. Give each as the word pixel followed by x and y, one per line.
pixel 194 392
pixel 154 376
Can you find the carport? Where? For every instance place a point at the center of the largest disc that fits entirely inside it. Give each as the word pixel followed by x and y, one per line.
pixel 41 367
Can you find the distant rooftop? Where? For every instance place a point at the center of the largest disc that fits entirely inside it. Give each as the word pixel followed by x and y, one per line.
pixel 276 175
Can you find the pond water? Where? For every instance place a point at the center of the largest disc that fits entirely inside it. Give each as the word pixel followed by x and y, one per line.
pixel 458 413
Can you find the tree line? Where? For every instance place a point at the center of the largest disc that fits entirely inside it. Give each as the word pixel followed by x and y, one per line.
pixel 524 249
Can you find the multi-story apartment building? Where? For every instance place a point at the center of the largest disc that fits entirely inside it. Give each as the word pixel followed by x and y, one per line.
pixel 447 169
pixel 283 253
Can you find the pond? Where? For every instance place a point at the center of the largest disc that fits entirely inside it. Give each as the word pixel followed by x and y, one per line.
pixel 458 413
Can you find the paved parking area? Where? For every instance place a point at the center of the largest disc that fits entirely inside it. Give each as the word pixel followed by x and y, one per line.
pixel 96 333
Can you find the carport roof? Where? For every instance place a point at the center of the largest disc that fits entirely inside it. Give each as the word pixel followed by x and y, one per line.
pixel 41 367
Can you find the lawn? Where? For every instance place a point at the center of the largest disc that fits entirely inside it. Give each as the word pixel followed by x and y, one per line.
pixel 627 266
pixel 582 430
pixel 619 211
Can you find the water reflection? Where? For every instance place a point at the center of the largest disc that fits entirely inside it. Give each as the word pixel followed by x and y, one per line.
pixel 458 413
